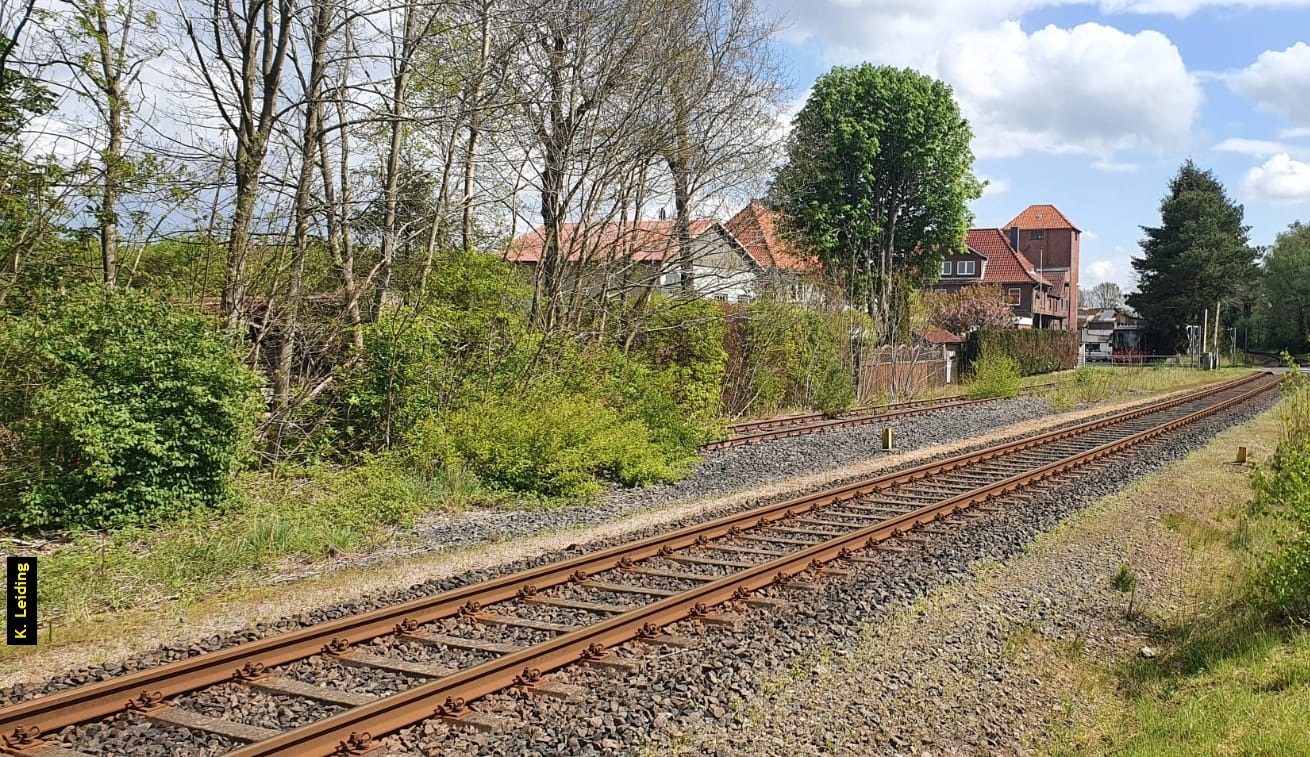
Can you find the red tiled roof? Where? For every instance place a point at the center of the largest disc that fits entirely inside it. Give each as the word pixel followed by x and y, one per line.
pixel 1042 217
pixel 755 227
pixel 643 241
pixel 938 336
pixel 1005 265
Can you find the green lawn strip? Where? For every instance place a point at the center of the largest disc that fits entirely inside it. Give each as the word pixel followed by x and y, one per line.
pixel 1224 680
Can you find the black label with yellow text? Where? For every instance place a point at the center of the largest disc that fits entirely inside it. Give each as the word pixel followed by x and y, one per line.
pixel 20 593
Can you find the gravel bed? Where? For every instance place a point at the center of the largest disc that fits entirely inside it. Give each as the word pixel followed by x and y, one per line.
pixel 429 654
pixel 551 614
pixel 242 704
pixel 698 696
pixel 134 735
pixel 329 673
pixel 467 628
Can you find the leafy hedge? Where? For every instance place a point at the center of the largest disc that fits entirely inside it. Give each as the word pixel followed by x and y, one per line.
pixel 1035 351
pixel 786 356
pixel 117 408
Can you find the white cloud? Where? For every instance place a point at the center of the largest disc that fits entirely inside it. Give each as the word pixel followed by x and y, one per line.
pixel 1088 90
pixel 1277 82
pixel 1110 166
pixel 1097 271
pixel 1256 148
pixel 994 186
pixel 1090 236
pixel 1091 90
pixel 1281 180
pixel 1298 133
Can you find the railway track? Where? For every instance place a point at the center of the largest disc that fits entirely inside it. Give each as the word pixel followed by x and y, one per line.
pixel 768 429
pixel 513 630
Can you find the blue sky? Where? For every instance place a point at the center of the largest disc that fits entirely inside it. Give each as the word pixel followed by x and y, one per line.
pixel 1091 105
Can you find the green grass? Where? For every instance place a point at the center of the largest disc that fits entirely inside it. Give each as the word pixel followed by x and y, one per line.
pixel 302 515
pixel 1227 679
pixel 1087 384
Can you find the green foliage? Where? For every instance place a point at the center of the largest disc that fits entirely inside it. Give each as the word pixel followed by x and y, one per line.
pixel 469 339
pixel 995 375
pixel 555 444
pixel 1034 351
pixel 793 357
pixel 1197 256
pixel 685 339
pixel 870 139
pixel 1283 489
pixel 1286 286
pixel 120 408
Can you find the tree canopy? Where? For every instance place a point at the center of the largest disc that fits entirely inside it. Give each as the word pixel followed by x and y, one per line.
pixel 1106 294
pixel 1286 286
pixel 1197 256
pixel 877 182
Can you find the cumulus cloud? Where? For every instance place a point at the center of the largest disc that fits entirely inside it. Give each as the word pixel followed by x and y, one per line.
pixel 1256 148
pixel 1098 270
pixel 1109 166
pixel 1280 180
pixel 1091 90
pixel 1277 82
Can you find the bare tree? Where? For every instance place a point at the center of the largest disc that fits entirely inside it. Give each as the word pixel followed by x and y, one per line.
pixel 240 50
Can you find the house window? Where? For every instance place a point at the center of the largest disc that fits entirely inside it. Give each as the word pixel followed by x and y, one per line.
pixel 1013 296
pixel 742 299
pixel 1036 234
pixel 721 297
pixel 964 268
pixel 946 268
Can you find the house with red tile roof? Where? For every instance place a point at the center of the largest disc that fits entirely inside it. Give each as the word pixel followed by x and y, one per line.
pixel 732 262
pixel 989 258
pixel 1047 237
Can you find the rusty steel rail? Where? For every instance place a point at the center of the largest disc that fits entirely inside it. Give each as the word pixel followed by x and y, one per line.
pixel 448 697
pixel 28 719
pixel 755 432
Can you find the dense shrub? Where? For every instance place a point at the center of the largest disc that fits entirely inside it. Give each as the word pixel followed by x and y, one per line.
pixel 685 339
pixel 469 338
pixel 791 357
pixel 118 408
pixel 554 444
pixel 1283 489
pixel 994 375
pixel 1034 351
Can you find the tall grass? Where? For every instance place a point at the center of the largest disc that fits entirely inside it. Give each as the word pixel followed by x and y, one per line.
pixel 302 515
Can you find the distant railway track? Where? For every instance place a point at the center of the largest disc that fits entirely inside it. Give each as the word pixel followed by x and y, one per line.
pixel 578 610
pixel 768 429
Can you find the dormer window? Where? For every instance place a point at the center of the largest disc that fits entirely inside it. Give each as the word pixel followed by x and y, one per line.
pixel 964 268
pixel 946 268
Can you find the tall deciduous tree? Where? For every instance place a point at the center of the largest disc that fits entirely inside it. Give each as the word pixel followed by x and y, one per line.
pixel 1197 256
pixel 1286 285
pixel 1106 294
pixel 878 178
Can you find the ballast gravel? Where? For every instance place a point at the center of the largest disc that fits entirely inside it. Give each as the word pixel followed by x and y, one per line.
pixel 675 690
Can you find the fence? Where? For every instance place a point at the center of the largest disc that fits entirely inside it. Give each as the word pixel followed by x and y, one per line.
pixel 902 371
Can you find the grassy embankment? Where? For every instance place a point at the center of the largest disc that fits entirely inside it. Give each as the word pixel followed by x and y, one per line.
pixel 1226 678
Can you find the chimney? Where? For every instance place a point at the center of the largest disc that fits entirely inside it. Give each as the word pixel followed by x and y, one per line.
pixel 1014 237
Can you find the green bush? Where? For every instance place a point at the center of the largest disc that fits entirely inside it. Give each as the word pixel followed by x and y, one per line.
pixel 1034 351
pixel 792 358
pixel 1283 489
pixel 993 376
pixel 554 444
pixel 119 409
pixel 685 339
pixel 470 338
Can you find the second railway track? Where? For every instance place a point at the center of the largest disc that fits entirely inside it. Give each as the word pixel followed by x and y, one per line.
pixel 578 609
